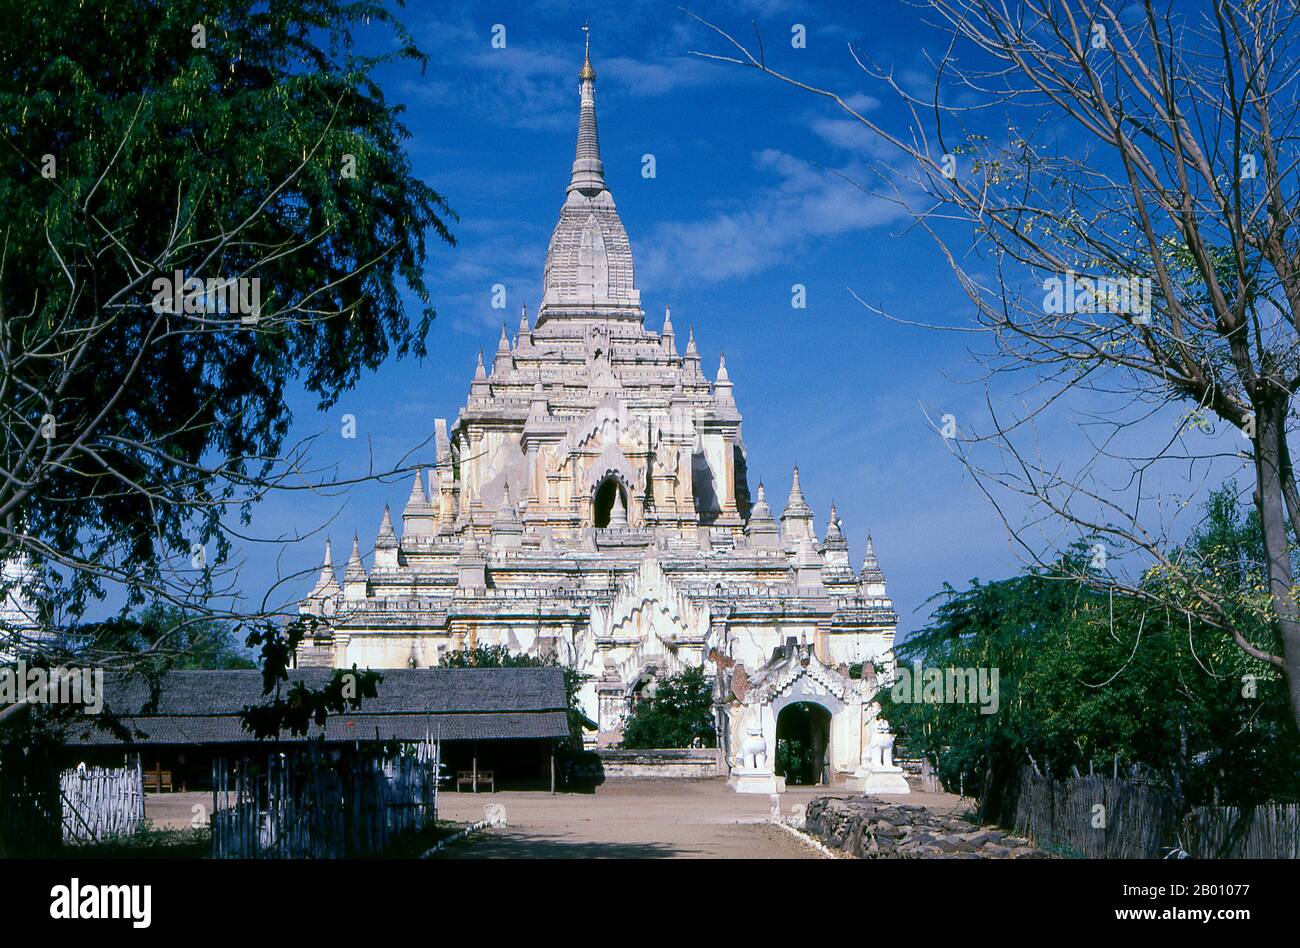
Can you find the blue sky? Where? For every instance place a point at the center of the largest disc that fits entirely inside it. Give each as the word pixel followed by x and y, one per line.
pixel 750 197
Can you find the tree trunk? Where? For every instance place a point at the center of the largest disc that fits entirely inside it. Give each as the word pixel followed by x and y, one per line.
pixel 1272 517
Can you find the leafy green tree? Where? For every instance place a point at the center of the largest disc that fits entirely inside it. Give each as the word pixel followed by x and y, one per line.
pixel 1092 680
pixel 163 637
pixel 996 625
pixel 221 140
pixel 679 711
pixel 294 708
pixel 202 204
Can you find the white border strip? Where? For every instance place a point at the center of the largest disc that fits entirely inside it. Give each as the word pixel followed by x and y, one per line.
pixel 811 841
pixel 455 837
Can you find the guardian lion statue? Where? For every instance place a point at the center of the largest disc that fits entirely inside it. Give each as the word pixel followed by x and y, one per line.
pixel 753 751
pixel 879 751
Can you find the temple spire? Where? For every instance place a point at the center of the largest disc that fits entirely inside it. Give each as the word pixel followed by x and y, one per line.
pixel 354 572
pixel 507 530
pixel 524 334
pixel 761 529
pixel 588 169
pixel 797 519
pixel 589 270
pixel 872 577
pixel 691 358
pixel 479 387
pixel 835 553
pixel 386 543
pixel 618 513
pixel 326 585
pixel 796 500
pixel 419 516
pixel 587 71
pixel 418 497
pixel 387 539
pixel 503 361
pixel 833 529
pixel 722 387
pixel 870 564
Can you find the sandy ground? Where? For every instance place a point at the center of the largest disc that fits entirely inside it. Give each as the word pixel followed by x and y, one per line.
pixel 176 810
pixel 651 819
pixel 642 819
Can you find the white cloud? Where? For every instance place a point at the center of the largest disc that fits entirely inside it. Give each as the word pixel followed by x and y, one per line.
pixel 861 103
pixel 851 135
pixel 490 251
pixel 806 203
pixel 655 77
pixel 532 83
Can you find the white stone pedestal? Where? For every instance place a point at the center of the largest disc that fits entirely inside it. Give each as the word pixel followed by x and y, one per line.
pixel 881 780
pixel 753 781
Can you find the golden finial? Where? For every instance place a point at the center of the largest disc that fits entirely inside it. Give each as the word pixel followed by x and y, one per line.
pixel 587 71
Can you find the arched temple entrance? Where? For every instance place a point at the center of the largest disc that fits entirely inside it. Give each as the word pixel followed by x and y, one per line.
pixel 642 686
pixel 803 737
pixel 800 721
pixel 610 504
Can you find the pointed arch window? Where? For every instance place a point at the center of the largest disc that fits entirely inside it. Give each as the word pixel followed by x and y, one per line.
pixel 610 504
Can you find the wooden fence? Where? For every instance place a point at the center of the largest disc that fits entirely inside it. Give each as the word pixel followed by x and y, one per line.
pixel 30 811
pixel 1125 818
pixel 1268 831
pixel 922 771
pixel 303 806
pixel 1097 817
pixel 101 802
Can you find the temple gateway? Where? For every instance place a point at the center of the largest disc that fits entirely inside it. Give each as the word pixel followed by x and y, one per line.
pixel 590 502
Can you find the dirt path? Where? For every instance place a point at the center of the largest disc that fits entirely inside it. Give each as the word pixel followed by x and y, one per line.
pixel 176 810
pixel 653 819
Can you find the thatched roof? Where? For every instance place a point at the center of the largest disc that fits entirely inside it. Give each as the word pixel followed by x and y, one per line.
pixel 202 707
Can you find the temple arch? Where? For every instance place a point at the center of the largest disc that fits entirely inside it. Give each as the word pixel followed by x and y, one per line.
pixel 642 685
pixel 610 503
pixel 803 743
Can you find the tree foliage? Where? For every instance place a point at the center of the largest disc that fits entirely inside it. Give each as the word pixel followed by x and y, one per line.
pixel 135 149
pixel 679 711
pixel 294 708
pixel 161 638
pixel 1089 679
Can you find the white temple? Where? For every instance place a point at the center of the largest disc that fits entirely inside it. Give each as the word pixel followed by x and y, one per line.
pixel 21 630
pixel 590 502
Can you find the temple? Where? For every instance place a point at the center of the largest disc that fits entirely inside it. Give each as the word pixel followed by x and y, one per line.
pixel 24 631
pixel 590 502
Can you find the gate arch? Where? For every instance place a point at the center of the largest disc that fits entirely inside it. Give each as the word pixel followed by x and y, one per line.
pixel 803 744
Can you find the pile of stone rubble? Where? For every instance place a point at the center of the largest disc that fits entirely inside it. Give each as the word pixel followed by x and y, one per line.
pixel 872 829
